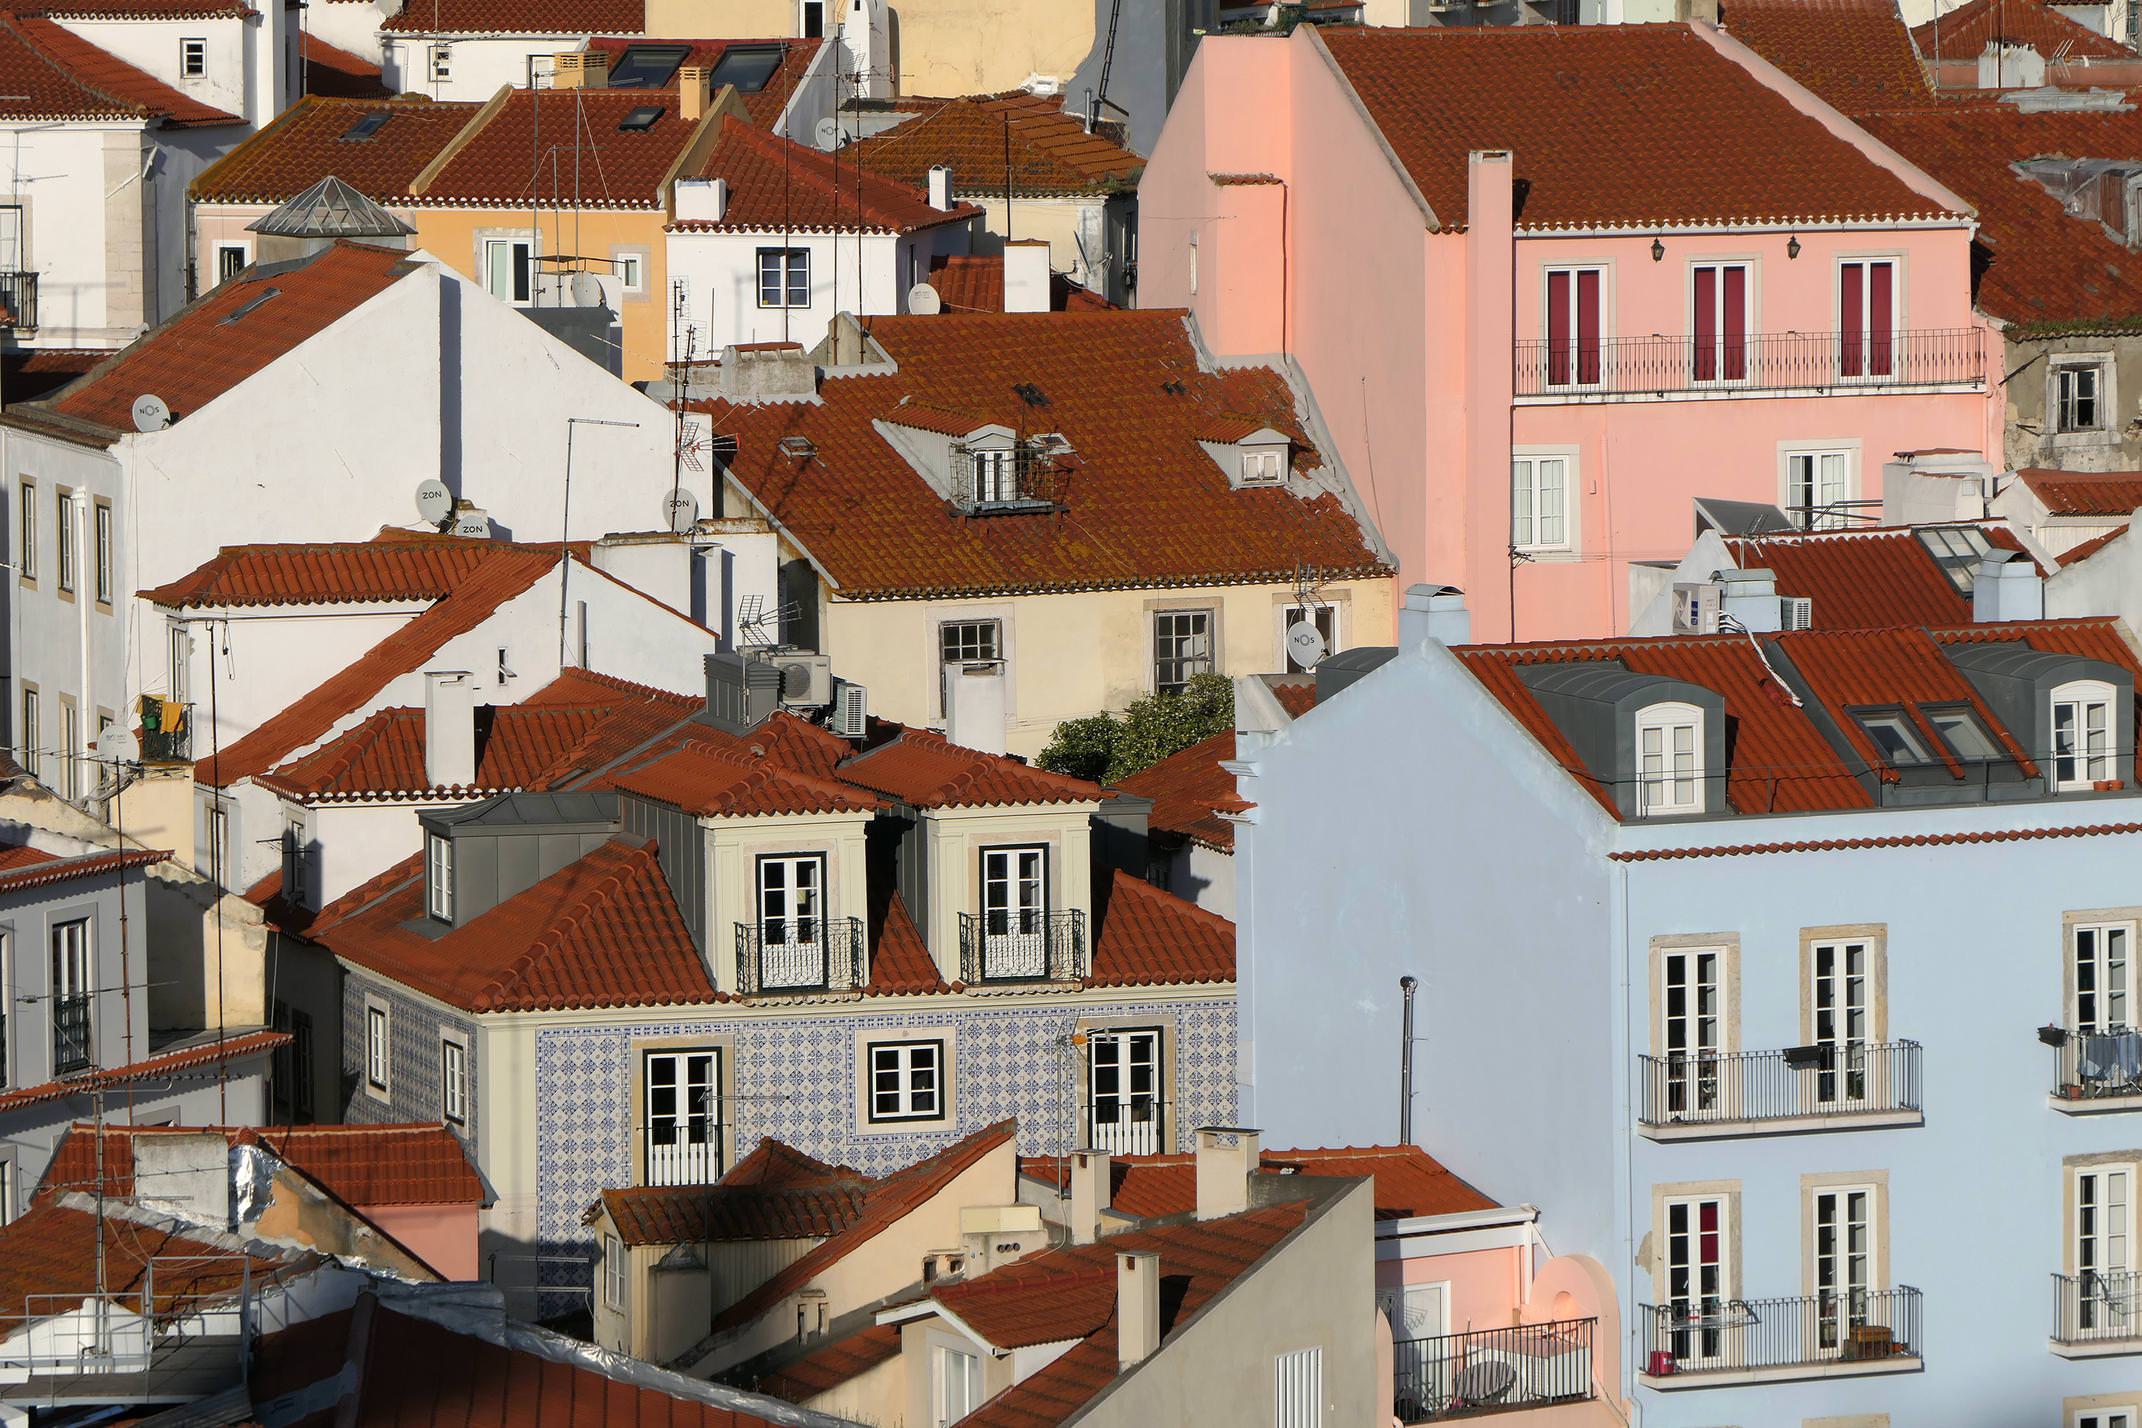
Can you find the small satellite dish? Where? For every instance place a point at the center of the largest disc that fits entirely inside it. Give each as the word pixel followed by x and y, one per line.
pixel 472 523
pixel 586 290
pixel 923 298
pixel 680 509
pixel 827 134
pixel 434 503
pixel 150 413
pixel 1305 644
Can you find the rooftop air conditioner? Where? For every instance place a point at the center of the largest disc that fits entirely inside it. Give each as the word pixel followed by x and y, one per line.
pixel 1796 612
pixel 806 678
pixel 1695 608
pixel 850 718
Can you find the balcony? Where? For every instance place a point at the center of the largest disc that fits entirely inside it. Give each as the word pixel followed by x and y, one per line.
pixel 1826 1086
pixel 2097 1313
pixel 163 731
pixel 18 300
pixel 1493 1371
pixel 806 954
pixel 1735 1341
pixel 1759 364
pixel 1022 946
pixel 2095 1071
pixel 1127 1125
pixel 686 1151
pixel 70 1034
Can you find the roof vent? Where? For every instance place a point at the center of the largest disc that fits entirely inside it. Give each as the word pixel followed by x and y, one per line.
pixel 271 293
pixel 641 119
pixel 801 448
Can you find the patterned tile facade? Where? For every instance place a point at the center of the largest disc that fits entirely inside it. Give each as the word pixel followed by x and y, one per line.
pixel 413 1034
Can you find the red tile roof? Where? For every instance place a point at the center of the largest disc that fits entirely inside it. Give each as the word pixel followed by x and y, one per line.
pixel 1190 790
pixel 926 770
pixel 308 142
pixel 331 70
pixel 1921 840
pixel 1146 937
pixel 28 374
pixel 1612 148
pixel 834 1363
pixel 1864 579
pixel 1409 1183
pixel 385 569
pixel 711 785
pixel 1854 53
pixel 1143 506
pixel 766 104
pixel 900 963
pixel 186 1059
pixel 2084 493
pixel 602 932
pixel 49 1264
pixel 2090 547
pixel 775 1164
pixel 49 72
pixel 363 1166
pixel 1070 1294
pixel 975 283
pixel 210 346
pixel 887 1202
pixel 23 868
pixel 1964 32
pixel 590 161
pixel 1051 152
pixel 688 1214
pixel 518 17
pixel 777 185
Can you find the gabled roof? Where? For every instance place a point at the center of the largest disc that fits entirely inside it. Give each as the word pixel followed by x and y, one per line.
pixel 1190 790
pixel 1147 936
pixel 779 186
pixel 363 1166
pixel 562 18
pixel 2090 547
pixel 697 1214
pixel 232 332
pixel 23 868
pixel 974 282
pixel 184 1061
pixel 390 568
pixel 924 769
pixel 1868 578
pixel 317 136
pixel 49 1263
pixel 834 1363
pixel 700 781
pixel 1612 149
pixel 2084 493
pixel 48 72
pixel 333 71
pixel 1854 53
pixel 1144 505
pixel 1965 32
pixel 1050 151
pixel 591 160
pixel 1409 1182
pixel 602 932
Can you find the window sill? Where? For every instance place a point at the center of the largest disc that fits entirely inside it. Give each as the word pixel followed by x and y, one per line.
pixel 1784 1125
pixel 1791 1373
pixel 1557 556
pixel 2096 1348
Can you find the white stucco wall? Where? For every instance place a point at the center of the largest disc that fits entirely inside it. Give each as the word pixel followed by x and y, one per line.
pixel 478 65
pixel 720 273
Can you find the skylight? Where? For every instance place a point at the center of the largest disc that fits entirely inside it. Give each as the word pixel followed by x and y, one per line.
pixel 1893 734
pixel 640 120
pixel 647 66
pixel 1957 550
pixel 748 67
pixel 366 127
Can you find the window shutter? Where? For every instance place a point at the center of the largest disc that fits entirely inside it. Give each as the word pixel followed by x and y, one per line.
pixel 1588 326
pixel 1558 306
pixel 1881 297
pixel 1734 359
pixel 1851 318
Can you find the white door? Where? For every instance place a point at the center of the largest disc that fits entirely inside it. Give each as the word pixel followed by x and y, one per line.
pixel 1124 1115
pixel 2104 1227
pixel 1015 912
pixel 1844 1261
pixel 792 950
pixel 683 1117
pixel 1699 1280
pixel 1839 999
pixel 1690 1029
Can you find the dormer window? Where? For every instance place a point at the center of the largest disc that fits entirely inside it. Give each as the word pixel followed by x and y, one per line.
pixel 1264 465
pixel 1892 733
pixel 1669 760
pixel 2082 735
pixel 1966 734
pixel 1251 453
pixel 996 476
pixel 440 876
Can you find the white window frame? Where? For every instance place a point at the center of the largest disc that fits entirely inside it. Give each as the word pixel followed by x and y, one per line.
pixel 1843 983
pixel 26 529
pixel 439 876
pixel 952 1399
pixel 1715 1342
pixel 2124 1415
pixel 1692 1038
pixel 1719 309
pixel 7 1189
pixel 440 60
pixel 906 1062
pixel 2058 402
pixel 1007 875
pixel 1126 1119
pixel 378 1048
pixel 2112 974
pixel 614 1277
pixel 791 268
pixel 1264 465
pixel 27 735
pixel 1843 1305
pixel 995 626
pixel 632 271
pixel 1604 379
pixel 683 1161
pixel 1868 262
pixel 1666 719
pixel 1810 513
pixel 67 536
pixel 2090 763
pixel 520 250
pixel 224 249
pixel 219 841
pixel 71 943
pixel 1210 658
pixel 193 57
pixel 70 747
pixel 453 1079
pixel 10 1024
pixel 1528 466
pixel 2105 1240
pixel 102 539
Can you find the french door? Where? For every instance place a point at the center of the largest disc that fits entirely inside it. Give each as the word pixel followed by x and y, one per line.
pixel 2103 978
pixel 1844 1261
pixel 1866 317
pixel 1719 300
pixel 71 1000
pixel 684 1130
pixel 1690 1029
pixel 1123 1078
pixel 1699 1279
pixel 1015 912
pixel 792 949
pixel 2104 1228
pixel 1839 999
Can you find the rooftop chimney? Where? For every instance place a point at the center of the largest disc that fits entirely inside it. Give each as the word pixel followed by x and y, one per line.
pixel 768 372
pixel 449 728
pixel 974 705
pixel 1750 597
pixel 1090 1194
pixel 580 69
pixel 742 693
pixel 187 1173
pixel 693 90
pixel 941 188
pixel 1226 1159
pixel 702 200
pixel 1026 275
pixel 2008 587
pixel 1137 1307
pixel 1434 612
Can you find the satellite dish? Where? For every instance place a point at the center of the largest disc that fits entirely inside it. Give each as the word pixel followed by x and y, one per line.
pixel 923 298
pixel 586 290
pixel 827 134
pixel 473 524
pixel 680 508
pixel 1305 644
pixel 434 503
pixel 150 413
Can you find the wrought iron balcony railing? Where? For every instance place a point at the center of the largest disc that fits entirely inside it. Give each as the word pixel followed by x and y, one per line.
pixel 71 1034
pixel 1753 364
pixel 1022 946
pixel 1825 1080
pixel 18 300
pixel 2097 1306
pixel 1493 1370
pixel 804 954
pixel 2095 1065
pixel 1857 1326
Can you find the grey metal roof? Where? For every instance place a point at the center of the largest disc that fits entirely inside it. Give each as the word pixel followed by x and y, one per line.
pixel 531 810
pixel 331 209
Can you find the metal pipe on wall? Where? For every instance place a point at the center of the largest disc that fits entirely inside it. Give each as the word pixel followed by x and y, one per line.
pixel 1407 986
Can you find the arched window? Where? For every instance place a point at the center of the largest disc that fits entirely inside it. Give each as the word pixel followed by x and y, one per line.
pixel 2084 740
pixel 1669 759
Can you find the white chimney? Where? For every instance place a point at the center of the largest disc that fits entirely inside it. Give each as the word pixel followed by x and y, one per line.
pixel 941 188
pixel 1026 275
pixel 1750 597
pixel 1090 1194
pixel 449 728
pixel 1227 1156
pixel 2008 587
pixel 186 1173
pixel 974 705
pixel 702 200
pixel 1137 1307
pixel 1434 612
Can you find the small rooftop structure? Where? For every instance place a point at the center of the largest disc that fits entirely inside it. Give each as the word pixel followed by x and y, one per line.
pixel 330 209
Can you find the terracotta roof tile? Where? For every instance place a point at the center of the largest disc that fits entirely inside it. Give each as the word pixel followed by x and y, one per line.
pixel 231 333
pixel 687 1214
pixel 49 1264
pixel 1612 148
pixel 591 160
pixel 834 1363
pixel 1854 53
pixel 1864 579
pixel 974 282
pixel 709 784
pixel 363 1166
pixel 1190 790
pixel 1964 32
pixel 2085 493
pixel 332 70
pixel 49 72
pixel 518 17
pixel 1918 840
pixel 900 962
pixel 926 770
pixel 168 1064
pixel 1051 152
pixel 29 374
pixel 777 185
pixel 311 141
pixel 1146 937
pixel 602 932
pixel 1145 506
pixel 778 1165
pixel 327 573
pixel 23 868
pixel 2090 547
pixel 1409 1182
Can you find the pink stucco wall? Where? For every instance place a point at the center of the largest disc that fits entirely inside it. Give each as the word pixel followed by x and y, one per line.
pixel 443 1235
pixel 1405 335
pixel 1486 1286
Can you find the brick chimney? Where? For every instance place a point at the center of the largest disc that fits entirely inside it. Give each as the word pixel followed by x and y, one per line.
pixel 694 91
pixel 1227 1156
pixel 1137 1307
pixel 1090 1194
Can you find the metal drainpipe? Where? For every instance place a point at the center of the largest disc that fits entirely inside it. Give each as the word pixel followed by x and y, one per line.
pixel 1408 986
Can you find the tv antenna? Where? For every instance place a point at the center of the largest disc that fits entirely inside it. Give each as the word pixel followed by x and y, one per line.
pixel 759 627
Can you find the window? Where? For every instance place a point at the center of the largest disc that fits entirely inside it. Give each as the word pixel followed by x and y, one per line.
pixel 1299 1388
pixel 7 1198
pixel 181 647
pixel 2122 1417
pixel 28 753
pixel 684 1130
pixel 295 840
pixel 70 748
pixel 1263 465
pixel 441 876
pixel 907 1080
pixel 1818 488
pixel 749 67
pixel 11 231
pixel 1691 1027
pixel 1866 317
pixel 784 277
pixel 103 520
pixel 996 474
pixel 1838 1001
pixel 791 930
pixel 1182 648
pixel 1719 303
pixel 1843 1261
pixel 219 841
pixel 453 1082
pixel 2103 962
pixel 26 549
pixel 378 1065
pixel 1193 265
pixel 193 58
pixel 1123 1111
pixel 2078 397
pixel 1573 327
pixel 2104 1235
pixel 1015 911
pixel 1966 735
pixel 814 19
pixel 956 1383
pixel 442 63
pixel 965 641
pixel 613 1273
pixel 632 272
pixel 72 992
pixel 1894 737
pixel 1669 760
pixel 1539 502
pixel 1324 619
pixel 231 260
pixel 64 525
pixel 1698 1276
pixel 506 264
pixel 2082 735
pixel 7 1003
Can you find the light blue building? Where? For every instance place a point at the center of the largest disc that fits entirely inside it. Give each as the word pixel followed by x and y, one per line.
pixel 1790 975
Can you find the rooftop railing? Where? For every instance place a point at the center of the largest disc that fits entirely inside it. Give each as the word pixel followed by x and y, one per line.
pixel 1493 1370
pixel 1855 1327
pixel 1826 1079
pixel 1754 364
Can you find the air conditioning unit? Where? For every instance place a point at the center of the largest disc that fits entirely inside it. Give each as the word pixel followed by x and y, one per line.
pixel 1695 608
pixel 1796 612
pixel 850 718
pixel 806 678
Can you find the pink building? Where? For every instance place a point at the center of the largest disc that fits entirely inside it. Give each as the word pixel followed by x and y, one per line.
pixel 1550 283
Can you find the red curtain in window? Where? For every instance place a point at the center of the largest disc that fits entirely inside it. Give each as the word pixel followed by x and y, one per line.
pixel 1881 335
pixel 1558 307
pixel 1588 326
pixel 1706 305
pixel 1851 319
pixel 1733 352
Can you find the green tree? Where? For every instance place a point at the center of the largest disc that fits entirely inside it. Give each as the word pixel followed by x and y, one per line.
pixel 1108 750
